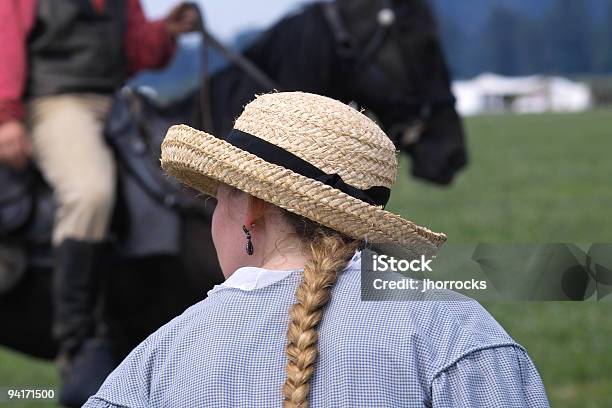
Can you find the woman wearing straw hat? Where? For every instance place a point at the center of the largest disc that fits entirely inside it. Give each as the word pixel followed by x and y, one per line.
pixel 301 182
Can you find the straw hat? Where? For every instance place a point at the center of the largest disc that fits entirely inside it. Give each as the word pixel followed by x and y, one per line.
pixel 309 154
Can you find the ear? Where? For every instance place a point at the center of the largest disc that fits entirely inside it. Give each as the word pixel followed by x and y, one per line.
pixel 255 211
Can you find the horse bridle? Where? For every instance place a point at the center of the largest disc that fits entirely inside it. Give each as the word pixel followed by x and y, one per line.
pixel 366 57
pixel 346 45
pixel 346 48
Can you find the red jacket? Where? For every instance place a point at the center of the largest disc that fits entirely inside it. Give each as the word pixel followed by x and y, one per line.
pixel 147 45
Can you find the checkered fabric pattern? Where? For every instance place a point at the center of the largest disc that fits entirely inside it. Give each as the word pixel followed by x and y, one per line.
pixel 229 351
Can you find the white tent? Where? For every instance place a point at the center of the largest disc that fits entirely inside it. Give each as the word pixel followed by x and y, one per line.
pixel 491 93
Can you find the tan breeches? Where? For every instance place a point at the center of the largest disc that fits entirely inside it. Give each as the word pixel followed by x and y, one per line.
pixel 70 151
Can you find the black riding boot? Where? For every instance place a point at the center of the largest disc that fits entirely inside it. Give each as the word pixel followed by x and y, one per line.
pixel 85 354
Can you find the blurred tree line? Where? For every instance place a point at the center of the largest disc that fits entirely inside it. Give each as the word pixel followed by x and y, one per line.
pixel 568 38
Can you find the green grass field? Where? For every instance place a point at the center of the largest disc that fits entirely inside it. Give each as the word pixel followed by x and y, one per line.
pixel 541 178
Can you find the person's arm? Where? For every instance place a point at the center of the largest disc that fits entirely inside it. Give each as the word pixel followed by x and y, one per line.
pixel 129 384
pixel 151 44
pixel 17 18
pixel 500 376
pixel 95 402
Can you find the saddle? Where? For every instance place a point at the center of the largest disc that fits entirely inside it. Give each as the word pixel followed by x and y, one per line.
pixel 26 214
pixel 135 129
pixel 16 202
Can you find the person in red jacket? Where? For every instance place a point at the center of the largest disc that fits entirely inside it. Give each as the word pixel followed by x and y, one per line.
pixel 61 61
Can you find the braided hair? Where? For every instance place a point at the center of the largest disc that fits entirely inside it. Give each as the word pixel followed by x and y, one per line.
pixel 327 253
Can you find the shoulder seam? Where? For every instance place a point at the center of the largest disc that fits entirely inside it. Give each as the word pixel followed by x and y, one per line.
pixel 469 352
pixel 109 402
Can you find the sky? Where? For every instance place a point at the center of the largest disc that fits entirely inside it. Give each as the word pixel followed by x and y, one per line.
pixel 227 17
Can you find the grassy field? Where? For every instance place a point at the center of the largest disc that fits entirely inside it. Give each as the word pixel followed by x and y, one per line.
pixel 541 178
pixel 536 178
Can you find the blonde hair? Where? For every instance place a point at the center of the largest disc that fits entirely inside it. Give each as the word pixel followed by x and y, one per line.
pixel 327 253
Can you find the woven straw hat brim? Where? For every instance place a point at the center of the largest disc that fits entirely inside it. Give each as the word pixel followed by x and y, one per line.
pixel 201 161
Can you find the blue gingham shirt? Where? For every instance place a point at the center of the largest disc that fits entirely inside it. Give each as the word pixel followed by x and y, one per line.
pixel 229 351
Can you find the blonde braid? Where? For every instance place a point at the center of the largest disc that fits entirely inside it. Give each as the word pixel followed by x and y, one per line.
pixel 327 254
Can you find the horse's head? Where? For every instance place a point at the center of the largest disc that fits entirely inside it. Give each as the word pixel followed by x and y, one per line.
pixel 383 54
pixel 394 67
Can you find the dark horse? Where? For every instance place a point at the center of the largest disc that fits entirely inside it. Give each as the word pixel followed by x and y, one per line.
pixel 383 56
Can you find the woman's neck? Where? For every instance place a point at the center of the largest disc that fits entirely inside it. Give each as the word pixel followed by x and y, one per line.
pixel 278 248
pixel 283 256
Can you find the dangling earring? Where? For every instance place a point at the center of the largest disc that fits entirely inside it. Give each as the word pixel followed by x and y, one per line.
pixel 249 243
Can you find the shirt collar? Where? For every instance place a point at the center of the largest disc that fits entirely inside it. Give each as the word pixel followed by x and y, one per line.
pixel 249 278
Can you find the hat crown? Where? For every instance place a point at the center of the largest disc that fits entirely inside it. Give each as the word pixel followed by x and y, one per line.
pixel 328 134
pixel 304 131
